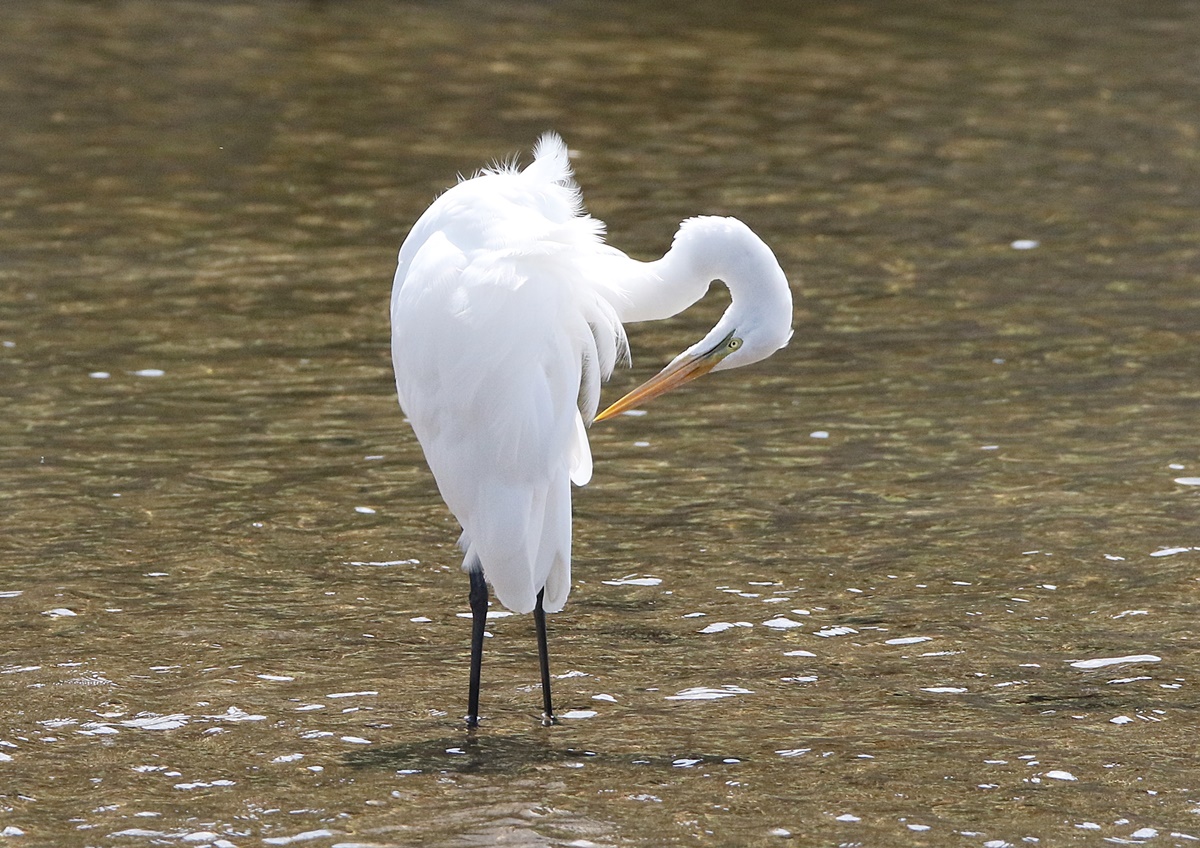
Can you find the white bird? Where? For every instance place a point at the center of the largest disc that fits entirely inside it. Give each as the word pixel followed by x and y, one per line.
pixel 507 311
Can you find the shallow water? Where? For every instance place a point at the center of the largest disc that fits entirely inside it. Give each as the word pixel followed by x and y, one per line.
pixel 862 593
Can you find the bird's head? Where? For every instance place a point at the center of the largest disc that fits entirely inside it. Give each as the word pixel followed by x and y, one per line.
pixel 757 323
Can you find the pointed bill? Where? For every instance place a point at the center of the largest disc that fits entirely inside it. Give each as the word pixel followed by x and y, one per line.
pixel 671 377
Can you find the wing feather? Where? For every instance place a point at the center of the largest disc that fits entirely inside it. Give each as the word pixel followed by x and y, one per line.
pixel 500 340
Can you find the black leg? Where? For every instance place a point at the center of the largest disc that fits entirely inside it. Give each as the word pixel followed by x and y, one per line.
pixel 539 618
pixel 479 605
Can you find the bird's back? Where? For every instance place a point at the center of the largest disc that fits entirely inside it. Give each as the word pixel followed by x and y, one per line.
pixel 499 338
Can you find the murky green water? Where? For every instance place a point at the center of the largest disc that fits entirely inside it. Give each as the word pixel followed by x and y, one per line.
pixel 230 603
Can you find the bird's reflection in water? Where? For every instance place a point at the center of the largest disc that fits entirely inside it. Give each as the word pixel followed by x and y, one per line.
pixel 468 754
pixel 513 755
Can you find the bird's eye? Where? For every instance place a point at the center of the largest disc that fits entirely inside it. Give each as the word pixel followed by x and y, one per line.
pixel 734 344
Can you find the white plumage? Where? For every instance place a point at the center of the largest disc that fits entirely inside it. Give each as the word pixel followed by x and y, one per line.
pixel 507 311
pixel 495 321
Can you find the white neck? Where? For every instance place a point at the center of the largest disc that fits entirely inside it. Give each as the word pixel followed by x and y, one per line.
pixel 707 249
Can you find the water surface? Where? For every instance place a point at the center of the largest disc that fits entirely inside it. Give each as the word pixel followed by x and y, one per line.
pixel 928 576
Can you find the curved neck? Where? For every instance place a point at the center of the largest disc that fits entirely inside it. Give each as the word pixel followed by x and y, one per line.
pixel 704 249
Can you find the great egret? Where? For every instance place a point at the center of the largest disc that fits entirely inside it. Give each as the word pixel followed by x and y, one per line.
pixel 507 311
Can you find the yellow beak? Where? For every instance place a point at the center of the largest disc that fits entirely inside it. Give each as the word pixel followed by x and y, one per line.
pixel 671 377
